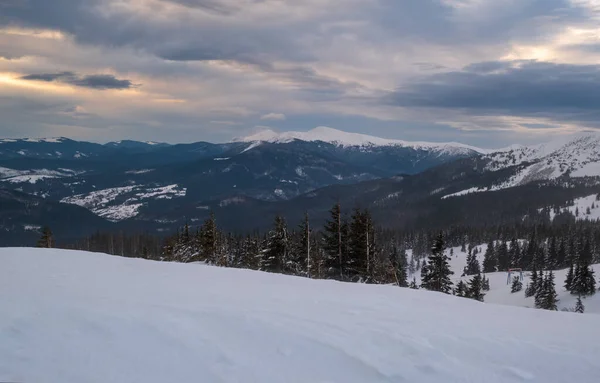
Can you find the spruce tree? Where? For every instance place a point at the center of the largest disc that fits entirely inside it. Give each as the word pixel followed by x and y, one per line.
pixel 552 255
pixel 208 239
pixel 47 239
pixel 517 285
pixel 361 258
pixel 399 263
pixel 514 253
pixel 461 289
pixel 503 256
pixel 475 289
pixel 436 276
pixel 485 284
pixel 550 297
pixel 569 279
pixel 472 264
pixel 532 285
pixel 276 249
pixel 335 243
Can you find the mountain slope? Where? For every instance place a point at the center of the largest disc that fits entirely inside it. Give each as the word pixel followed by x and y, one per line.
pixel 90 317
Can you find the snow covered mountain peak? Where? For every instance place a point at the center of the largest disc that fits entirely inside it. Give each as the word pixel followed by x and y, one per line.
pixel 347 139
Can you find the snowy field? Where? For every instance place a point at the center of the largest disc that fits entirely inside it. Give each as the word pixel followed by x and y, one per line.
pixel 69 316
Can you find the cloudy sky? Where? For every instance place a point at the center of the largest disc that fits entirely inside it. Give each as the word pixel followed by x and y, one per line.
pixel 484 72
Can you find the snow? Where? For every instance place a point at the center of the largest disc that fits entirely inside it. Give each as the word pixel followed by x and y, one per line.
pixel 32 179
pixel 499 290
pixel 141 171
pixel 83 317
pixel 119 212
pixel 341 138
pixel 465 192
pixel 579 208
pixel 222 159
pixel 31 227
pixel 165 192
pixel 103 202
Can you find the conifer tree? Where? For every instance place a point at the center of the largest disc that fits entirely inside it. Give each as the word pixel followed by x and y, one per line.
pixel 461 289
pixel 361 258
pixel 47 239
pixel 517 285
pixel 552 255
pixel 276 249
pixel 514 253
pixel 532 285
pixel 503 256
pixel 475 289
pixel 485 284
pixel 550 297
pixel 472 264
pixel 335 242
pixel 436 275
pixel 208 240
pixel 399 263
pixel 569 280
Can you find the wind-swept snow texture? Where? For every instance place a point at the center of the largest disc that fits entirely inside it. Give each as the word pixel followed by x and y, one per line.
pixel 69 316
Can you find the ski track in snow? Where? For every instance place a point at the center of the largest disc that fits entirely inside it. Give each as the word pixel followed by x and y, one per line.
pixel 68 316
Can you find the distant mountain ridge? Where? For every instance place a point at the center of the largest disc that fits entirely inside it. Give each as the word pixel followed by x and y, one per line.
pixel 160 186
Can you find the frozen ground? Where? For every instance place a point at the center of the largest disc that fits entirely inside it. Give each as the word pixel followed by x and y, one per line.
pixel 69 316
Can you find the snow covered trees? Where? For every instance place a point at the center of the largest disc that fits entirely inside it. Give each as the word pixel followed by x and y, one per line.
pixel 546 297
pixel 475 288
pixel 436 275
pixel 461 289
pixel 472 267
pixel 47 238
pixel 517 285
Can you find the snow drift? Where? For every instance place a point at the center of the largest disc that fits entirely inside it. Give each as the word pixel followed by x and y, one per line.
pixel 69 316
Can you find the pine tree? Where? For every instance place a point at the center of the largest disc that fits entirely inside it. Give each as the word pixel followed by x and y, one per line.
pixel 552 256
pixel 208 240
pixel 532 285
pixel 436 276
pixel 579 307
pixel 514 253
pixel 334 243
pixel 399 263
pixel 485 284
pixel 503 256
pixel 360 262
pixel 461 289
pixel 569 279
pixel 276 249
pixel 475 290
pixel 47 239
pixel 472 264
pixel 517 285
pixel 299 258
pixel 550 297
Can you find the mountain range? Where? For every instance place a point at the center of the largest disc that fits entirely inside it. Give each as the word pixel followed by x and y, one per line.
pixel 130 185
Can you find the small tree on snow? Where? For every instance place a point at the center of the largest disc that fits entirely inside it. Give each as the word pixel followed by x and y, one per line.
pixel 461 289
pixel 475 290
pixel 47 238
pixel 517 285
pixel 436 275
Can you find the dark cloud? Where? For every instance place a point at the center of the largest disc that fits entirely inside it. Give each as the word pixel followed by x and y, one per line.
pixel 558 92
pixel 101 81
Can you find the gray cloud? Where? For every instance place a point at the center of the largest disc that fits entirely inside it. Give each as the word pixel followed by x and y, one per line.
pixel 513 86
pixel 100 81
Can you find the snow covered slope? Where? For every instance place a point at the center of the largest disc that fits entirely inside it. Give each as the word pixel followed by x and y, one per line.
pixel 576 155
pixel 80 317
pixel 499 290
pixel 341 138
